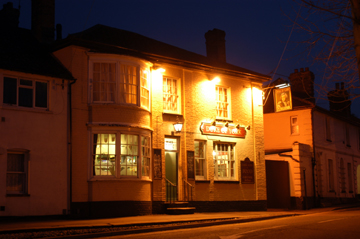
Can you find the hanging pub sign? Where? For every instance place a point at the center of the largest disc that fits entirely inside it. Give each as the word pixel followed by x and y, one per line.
pixel 221 130
pixel 283 100
pixel 247 171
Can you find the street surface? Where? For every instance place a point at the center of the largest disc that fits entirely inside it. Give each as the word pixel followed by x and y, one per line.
pixel 344 223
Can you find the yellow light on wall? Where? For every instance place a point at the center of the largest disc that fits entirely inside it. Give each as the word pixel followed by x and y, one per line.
pixel 257 96
pixel 216 80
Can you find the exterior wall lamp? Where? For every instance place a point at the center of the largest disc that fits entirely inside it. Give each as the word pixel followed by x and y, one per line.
pixel 178 125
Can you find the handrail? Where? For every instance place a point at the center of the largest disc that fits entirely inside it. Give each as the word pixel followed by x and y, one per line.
pixel 170 190
pixel 188 191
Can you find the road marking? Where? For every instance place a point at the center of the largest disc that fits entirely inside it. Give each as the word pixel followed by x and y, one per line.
pixel 236 236
pixel 332 220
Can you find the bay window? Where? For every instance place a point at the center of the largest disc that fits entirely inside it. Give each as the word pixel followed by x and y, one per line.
pixel 119 154
pixel 117 81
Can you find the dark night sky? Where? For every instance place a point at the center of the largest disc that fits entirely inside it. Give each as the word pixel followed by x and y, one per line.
pixel 256 31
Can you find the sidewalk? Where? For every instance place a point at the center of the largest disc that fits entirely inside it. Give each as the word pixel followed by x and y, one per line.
pixel 148 220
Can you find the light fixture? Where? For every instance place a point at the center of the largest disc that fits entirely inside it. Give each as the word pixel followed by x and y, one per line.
pixel 238 126
pixel 226 124
pixel 248 128
pixel 178 125
pixel 213 123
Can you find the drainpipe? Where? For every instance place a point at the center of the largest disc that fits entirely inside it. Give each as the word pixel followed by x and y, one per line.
pixel 313 160
pixel 69 123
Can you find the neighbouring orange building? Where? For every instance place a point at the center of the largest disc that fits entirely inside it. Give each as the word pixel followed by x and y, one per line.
pixel 126 156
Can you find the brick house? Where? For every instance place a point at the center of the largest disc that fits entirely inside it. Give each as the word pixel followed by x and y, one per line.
pixel 127 158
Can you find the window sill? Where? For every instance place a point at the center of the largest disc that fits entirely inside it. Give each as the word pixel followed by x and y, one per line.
pixel 227 181
pixel 28 109
pixel 118 105
pixel 123 179
pixel 17 195
pixel 202 181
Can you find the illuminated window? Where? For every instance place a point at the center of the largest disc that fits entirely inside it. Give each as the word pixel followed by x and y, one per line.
pixel 119 82
pixel 104 83
pixel 17 172
pixel 331 174
pixel 224 160
pixel 171 95
pixel 145 89
pixel 222 102
pixel 119 155
pixel 200 159
pixel 294 125
pixel 25 93
pixel 128 84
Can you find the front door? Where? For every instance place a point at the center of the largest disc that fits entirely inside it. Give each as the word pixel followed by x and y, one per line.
pixel 171 168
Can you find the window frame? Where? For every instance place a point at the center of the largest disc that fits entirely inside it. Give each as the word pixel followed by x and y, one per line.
pixel 118 144
pixel 204 158
pixel 292 125
pixel 229 170
pixel 178 95
pixel 120 61
pixel 26 165
pixel 228 102
pixel 34 92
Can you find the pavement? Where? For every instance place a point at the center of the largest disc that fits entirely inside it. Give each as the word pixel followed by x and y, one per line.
pixel 26 225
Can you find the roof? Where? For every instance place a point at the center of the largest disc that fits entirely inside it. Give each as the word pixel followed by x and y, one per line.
pixel 104 39
pixel 20 51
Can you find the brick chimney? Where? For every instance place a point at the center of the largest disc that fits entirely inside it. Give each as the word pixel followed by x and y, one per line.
pixel 215 45
pixel 339 100
pixel 302 84
pixel 9 16
pixel 43 20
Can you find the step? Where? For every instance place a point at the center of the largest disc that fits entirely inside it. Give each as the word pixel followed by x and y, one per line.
pixel 180 210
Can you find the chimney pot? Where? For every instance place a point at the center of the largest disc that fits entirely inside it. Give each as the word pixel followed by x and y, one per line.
pixel 301 69
pixel 296 70
pixel 337 86
pixel 215 45
pixel 306 68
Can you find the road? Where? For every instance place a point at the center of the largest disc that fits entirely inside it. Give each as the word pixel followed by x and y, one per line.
pixel 337 224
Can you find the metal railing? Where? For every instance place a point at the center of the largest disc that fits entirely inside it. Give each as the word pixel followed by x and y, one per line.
pixel 188 191
pixel 171 191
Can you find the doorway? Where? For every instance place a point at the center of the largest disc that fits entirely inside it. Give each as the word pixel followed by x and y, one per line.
pixel 171 168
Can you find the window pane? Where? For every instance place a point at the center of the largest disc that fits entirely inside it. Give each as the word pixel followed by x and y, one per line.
pixel 9 94
pixel 104 154
pixel 145 160
pixel 26 97
pixel 104 82
pixel 129 155
pixel 16 174
pixel 41 94
pixel 224 161
pixel 222 103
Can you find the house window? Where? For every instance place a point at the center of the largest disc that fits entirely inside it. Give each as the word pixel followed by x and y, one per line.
pixel 118 154
pixel 224 160
pixel 200 159
pixel 222 102
pixel 342 176
pixel 128 84
pixel 328 129
pixel 331 174
pixel 119 82
pixel 145 89
pixel 350 177
pixel 25 93
pixel 171 95
pixel 16 174
pixel 294 125
pixel 347 136
pixel 104 83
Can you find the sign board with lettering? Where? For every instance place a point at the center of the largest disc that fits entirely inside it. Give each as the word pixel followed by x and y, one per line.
pixel 230 131
pixel 157 163
pixel 247 171
pixel 190 165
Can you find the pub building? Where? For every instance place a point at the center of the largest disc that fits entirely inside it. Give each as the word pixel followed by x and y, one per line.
pixel 153 125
